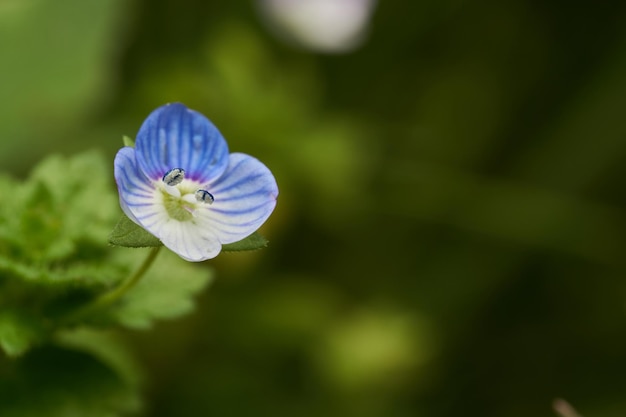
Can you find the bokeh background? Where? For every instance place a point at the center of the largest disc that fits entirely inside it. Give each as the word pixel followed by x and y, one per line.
pixel 450 234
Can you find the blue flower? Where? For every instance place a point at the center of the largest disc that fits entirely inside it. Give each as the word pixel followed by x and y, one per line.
pixel 181 184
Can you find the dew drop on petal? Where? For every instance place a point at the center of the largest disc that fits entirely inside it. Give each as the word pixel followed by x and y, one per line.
pixel 204 196
pixel 174 176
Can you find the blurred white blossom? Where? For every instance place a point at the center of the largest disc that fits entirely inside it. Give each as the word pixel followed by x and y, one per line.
pixel 332 26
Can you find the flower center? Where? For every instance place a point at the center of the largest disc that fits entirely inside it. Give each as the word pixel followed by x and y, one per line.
pixel 182 198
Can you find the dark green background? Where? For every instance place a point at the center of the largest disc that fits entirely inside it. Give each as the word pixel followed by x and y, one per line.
pixel 449 238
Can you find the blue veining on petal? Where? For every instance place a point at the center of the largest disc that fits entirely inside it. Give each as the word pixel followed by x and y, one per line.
pixel 174 136
pixel 245 196
pixel 189 241
pixel 137 192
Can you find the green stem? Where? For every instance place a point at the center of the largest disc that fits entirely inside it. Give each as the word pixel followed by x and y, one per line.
pixel 112 296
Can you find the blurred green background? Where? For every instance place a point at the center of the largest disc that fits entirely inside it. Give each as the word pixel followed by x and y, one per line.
pixel 450 234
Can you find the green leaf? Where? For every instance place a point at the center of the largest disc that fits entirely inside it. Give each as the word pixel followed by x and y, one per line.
pixel 128 234
pixel 65 383
pixel 94 274
pixel 53 250
pixel 64 210
pixel 128 141
pixel 18 333
pixel 165 292
pixel 253 242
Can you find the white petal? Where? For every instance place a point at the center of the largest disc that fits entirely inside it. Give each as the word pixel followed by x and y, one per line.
pixel 190 241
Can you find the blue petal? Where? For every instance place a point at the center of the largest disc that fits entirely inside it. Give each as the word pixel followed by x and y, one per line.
pixel 245 196
pixel 174 136
pixel 138 197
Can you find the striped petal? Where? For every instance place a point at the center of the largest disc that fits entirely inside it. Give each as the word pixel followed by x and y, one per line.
pixel 139 198
pixel 174 136
pixel 189 241
pixel 245 196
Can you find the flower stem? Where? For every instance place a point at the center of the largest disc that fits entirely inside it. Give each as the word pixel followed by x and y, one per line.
pixel 112 296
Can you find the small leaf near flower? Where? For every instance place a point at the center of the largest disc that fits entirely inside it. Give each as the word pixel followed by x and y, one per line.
pixel 128 141
pixel 128 234
pixel 253 242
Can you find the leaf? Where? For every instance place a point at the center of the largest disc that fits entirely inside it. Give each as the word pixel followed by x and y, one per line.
pixel 65 209
pixel 64 383
pixel 18 333
pixel 165 292
pixel 94 274
pixel 53 250
pixel 82 192
pixel 128 141
pixel 253 242
pixel 128 234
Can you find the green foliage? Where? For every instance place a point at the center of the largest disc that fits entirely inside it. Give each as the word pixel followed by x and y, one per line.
pixel 51 253
pixel 166 292
pixel 54 264
pixel 18 332
pixel 54 259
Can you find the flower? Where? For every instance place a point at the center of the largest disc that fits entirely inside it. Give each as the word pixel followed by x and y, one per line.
pixel 331 26
pixel 181 184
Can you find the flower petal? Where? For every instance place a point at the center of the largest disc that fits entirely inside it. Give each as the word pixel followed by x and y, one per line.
pixel 138 197
pixel 174 136
pixel 245 196
pixel 189 240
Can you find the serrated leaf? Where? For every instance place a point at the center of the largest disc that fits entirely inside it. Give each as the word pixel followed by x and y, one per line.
pixel 130 235
pixel 65 209
pixel 165 292
pixel 65 383
pixel 253 242
pixel 82 193
pixel 128 141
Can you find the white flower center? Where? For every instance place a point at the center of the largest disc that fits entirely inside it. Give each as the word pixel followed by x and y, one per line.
pixel 182 198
